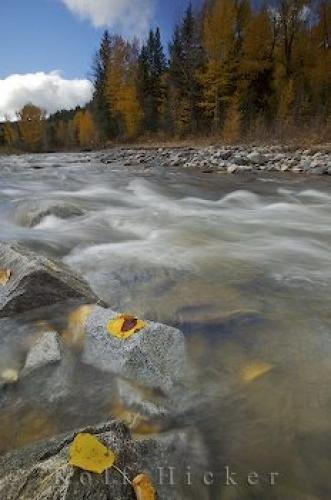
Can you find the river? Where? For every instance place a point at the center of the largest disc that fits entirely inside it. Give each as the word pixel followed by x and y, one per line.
pixel 242 264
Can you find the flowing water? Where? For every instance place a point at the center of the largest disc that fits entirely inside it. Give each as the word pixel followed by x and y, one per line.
pixel 242 264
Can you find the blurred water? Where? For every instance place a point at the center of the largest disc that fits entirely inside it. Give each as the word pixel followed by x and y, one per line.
pixel 241 263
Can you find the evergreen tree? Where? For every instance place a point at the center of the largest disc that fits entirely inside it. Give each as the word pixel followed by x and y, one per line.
pixel 186 59
pixel 151 69
pixel 100 106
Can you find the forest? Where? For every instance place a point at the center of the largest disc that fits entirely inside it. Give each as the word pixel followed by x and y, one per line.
pixel 231 71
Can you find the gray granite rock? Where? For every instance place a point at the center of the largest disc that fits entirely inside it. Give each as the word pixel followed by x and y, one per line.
pixel 42 471
pixel 45 352
pixel 154 357
pixel 256 158
pixel 37 281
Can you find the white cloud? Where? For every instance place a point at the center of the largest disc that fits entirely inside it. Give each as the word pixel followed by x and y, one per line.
pixel 130 17
pixel 49 91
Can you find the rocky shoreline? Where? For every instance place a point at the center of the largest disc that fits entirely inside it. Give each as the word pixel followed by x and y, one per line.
pixel 226 160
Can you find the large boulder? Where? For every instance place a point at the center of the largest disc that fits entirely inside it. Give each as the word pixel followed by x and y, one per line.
pixel 154 357
pixel 36 281
pixel 42 471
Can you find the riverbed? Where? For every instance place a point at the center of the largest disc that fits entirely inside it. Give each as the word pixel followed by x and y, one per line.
pixel 241 264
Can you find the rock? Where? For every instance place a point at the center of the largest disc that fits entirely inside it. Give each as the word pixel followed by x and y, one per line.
pixel 137 399
pixel 320 170
pixel 37 281
pixel 153 357
pixel 31 216
pixel 46 351
pixel 42 471
pixel 256 158
pixel 231 169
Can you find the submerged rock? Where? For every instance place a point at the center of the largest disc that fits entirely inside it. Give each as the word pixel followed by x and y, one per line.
pixel 37 281
pixel 31 216
pixel 46 351
pixel 155 356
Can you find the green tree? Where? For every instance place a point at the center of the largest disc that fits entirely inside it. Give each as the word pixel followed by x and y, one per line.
pixel 151 70
pixel 186 59
pixel 102 111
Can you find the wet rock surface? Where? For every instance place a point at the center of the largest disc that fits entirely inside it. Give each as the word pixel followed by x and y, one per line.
pixel 37 281
pixel 46 351
pixel 42 471
pixel 154 357
pixel 32 214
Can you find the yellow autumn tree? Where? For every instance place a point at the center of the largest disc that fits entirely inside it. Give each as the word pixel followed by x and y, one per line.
pixel 84 128
pixel 232 124
pixel 121 89
pixel 9 134
pixel 31 120
pixel 219 43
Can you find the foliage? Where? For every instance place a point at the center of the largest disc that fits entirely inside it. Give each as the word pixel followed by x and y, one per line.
pixel 88 453
pixel 31 126
pixel 121 87
pixel 5 275
pixel 234 68
pixel 125 326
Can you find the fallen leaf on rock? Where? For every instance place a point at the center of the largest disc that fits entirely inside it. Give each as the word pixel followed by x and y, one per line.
pixel 88 453
pixel 123 327
pixel 143 488
pixel 5 275
pixel 255 370
pixel 74 335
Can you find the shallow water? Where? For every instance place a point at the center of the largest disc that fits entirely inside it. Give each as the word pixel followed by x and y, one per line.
pixel 242 264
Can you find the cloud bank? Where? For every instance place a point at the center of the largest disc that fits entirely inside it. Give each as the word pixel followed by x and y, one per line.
pixel 130 17
pixel 49 91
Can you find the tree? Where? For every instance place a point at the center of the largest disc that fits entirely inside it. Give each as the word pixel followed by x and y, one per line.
pixel 9 134
pixel 186 59
pixel 219 43
pixel 151 70
pixel 121 87
pixel 31 121
pixel 256 66
pixel 84 128
pixel 100 106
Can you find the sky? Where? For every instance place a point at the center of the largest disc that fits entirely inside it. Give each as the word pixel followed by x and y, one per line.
pixel 49 45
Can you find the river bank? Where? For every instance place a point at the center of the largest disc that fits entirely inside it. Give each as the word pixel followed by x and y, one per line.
pixel 231 160
pixel 315 160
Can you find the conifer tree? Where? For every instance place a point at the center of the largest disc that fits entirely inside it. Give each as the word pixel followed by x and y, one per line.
pixel 100 106
pixel 186 58
pixel 151 70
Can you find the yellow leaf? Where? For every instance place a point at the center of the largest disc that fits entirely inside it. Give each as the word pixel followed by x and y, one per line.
pixel 255 370
pixel 88 453
pixel 143 488
pixel 5 275
pixel 125 326
pixel 10 375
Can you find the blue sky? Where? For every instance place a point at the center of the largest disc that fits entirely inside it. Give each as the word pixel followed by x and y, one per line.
pixel 49 45
pixel 44 35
